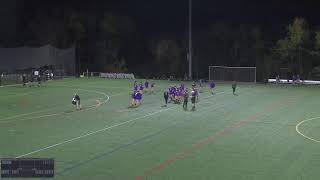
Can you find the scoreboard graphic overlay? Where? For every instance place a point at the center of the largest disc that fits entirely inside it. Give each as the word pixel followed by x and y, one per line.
pixel 27 168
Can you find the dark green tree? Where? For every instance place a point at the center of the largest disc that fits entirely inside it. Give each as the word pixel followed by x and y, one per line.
pixel 295 44
pixel 118 34
pixel 168 56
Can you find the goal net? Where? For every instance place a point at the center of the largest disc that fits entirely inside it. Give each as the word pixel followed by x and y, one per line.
pixel 240 74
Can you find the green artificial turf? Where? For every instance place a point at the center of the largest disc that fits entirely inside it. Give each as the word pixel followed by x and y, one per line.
pixel 249 136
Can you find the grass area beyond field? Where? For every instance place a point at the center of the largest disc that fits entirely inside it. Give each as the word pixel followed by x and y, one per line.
pixel 250 136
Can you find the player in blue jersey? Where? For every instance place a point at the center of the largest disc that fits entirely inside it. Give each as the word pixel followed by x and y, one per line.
pixel 135 88
pixel 138 98
pixel 212 85
pixel 177 96
pixel 171 93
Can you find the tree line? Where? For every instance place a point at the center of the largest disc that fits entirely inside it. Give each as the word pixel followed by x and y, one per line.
pixel 112 42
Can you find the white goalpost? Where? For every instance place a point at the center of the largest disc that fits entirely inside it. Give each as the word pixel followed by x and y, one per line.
pixel 226 73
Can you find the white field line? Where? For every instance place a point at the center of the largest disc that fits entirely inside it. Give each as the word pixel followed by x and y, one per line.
pixel 16 95
pixel 92 86
pixel 24 114
pixel 44 110
pixel 102 130
pixel 299 132
pixel 34 112
pixel 61 113
pixel 11 85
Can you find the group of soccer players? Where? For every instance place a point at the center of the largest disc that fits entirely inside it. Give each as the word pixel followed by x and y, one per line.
pixel 176 94
pixel 180 93
pixel 139 90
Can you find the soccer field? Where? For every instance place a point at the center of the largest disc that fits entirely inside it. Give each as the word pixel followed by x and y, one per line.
pixel 266 132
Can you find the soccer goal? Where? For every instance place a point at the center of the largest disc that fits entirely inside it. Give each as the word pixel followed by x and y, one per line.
pixel 225 73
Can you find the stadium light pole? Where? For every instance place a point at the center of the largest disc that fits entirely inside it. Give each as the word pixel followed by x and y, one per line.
pixel 190 40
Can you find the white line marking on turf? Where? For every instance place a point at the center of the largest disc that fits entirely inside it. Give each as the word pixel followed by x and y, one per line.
pixel 24 114
pixel 299 132
pixel 11 85
pixel 91 133
pixel 17 95
pixel 100 87
pixel 56 114
pixel 101 130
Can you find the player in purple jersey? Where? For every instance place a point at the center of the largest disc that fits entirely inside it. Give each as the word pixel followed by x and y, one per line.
pixel 171 93
pixel 180 92
pixel 138 98
pixel 212 85
pixel 136 88
pixel 177 95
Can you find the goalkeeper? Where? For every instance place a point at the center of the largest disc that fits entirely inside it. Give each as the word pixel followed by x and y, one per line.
pixel 76 101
